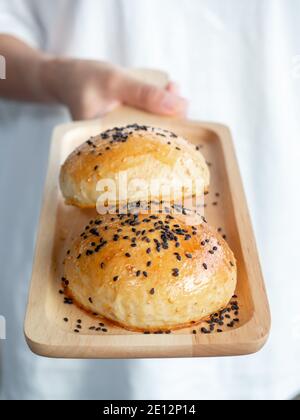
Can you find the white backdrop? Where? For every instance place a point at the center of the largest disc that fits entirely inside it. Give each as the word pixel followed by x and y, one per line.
pixel 236 62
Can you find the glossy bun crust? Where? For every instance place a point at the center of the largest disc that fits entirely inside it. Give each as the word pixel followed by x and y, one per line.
pixel 145 153
pixel 150 273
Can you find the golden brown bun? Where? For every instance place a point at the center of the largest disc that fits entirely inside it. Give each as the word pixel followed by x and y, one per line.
pixel 145 153
pixel 150 273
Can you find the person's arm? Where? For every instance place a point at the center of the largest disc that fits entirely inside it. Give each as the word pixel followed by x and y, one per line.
pixel 88 88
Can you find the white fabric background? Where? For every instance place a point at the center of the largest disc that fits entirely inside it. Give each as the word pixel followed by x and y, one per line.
pixel 234 61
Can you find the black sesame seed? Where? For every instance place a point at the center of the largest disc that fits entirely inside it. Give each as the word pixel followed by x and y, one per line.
pixel 152 291
pixel 116 278
pixel 68 301
pixel 138 273
pixel 205 266
pixel 189 256
pixel 90 300
pixel 66 319
pixel 127 255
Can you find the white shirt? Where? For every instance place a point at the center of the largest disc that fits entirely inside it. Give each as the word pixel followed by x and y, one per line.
pixel 234 61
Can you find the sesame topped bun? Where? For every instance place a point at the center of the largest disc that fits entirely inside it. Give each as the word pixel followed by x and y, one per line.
pixel 150 272
pixel 152 160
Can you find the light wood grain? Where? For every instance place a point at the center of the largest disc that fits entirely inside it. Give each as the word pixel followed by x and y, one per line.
pixel 46 332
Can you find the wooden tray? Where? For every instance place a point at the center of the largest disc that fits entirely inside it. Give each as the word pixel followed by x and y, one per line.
pixel 46 331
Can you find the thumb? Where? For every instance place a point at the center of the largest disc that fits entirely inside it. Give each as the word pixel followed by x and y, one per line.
pixel 150 98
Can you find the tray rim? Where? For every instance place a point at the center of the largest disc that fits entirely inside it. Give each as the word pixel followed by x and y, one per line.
pixel 185 345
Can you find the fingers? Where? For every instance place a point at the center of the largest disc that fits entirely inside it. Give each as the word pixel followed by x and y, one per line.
pixel 151 98
pixel 173 87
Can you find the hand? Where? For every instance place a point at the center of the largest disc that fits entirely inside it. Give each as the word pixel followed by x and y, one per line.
pixel 91 89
